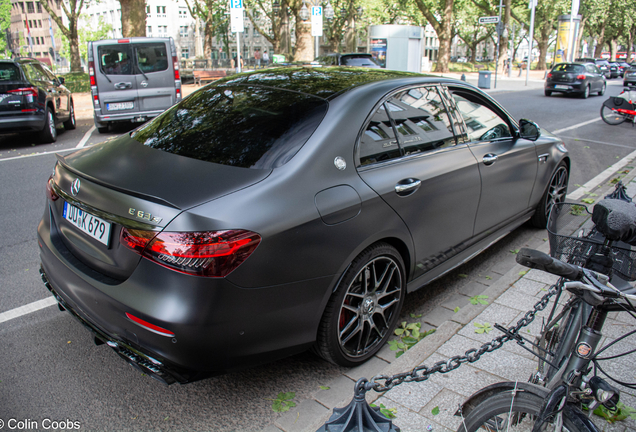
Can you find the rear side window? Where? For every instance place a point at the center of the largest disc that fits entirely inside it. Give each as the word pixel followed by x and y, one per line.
pixel 115 59
pixel 378 142
pixel 152 57
pixel 241 126
pixel 9 72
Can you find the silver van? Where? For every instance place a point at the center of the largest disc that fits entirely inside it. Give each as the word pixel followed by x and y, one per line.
pixel 132 79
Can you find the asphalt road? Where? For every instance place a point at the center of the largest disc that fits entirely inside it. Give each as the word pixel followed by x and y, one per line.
pixel 50 370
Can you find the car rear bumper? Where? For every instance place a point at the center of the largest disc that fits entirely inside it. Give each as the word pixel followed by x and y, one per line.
pixel 216 326
pixel 571 87
pixel 19 123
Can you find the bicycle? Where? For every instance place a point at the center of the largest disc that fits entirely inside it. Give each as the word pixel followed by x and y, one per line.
pixel 618 109
pixel 557 403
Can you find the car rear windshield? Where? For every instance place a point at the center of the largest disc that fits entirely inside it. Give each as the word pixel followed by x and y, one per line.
pixel 242 126
pixel 118 59
pixel 358 61
pixel 569 68
pixel 9 72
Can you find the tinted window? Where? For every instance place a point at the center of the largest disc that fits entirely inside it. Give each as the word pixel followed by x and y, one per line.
pixel 115 59
pixel 569 68
pixel 9 72
pixel 378 142
pixel 152 57
pixel 483 123
pixel 421 120
pixel 32 73
pixel 364 61
pixel 242 126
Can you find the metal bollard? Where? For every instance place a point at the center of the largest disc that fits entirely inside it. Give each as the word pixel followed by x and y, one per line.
pixel 358 416
pixel 463 78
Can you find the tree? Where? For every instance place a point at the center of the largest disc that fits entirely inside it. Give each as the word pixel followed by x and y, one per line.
pixel 439 14
pixel 72 13
pixel 5 24
pixel 85 34
pixel 133 18
pixel 217 24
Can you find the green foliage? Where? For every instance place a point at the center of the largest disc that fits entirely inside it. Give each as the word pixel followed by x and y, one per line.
pixel 77 82
pixel 85 33
pixel 386 412
pixel 5 23
pixel 409 335
pixel 483 328
pixel 456 309
pixel 435 411
pixel 577 210
pixel 322 387
pixel 283 402
pixel 621 412
pixel 588 200
pixel 514 251
pixel 479 299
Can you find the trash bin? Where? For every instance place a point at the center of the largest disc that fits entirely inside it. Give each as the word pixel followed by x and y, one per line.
pixel 484 79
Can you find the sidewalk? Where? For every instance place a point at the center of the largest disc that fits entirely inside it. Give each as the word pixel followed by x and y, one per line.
pixel 513 294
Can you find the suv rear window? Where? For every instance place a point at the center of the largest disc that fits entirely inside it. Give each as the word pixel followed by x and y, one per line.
pixel 9 72
pixel 115 59
pixel 118 59
pixel 152 57
pixel 241 126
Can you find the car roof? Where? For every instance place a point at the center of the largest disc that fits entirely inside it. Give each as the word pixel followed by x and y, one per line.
pixel 322 82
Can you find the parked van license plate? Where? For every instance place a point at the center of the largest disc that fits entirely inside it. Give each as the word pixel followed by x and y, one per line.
pixel 95 227
pixel 119 106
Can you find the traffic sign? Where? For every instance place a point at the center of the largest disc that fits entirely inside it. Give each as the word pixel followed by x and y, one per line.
pixel 489 20
pixel 236 16
pixel 316 20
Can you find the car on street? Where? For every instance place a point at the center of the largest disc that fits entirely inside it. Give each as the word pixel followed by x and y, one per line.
pixel 622 67
pixel 575 78
pixel 347 59
pixel 614 70
pixel 602 64
pixel 286 209
pixel 33 99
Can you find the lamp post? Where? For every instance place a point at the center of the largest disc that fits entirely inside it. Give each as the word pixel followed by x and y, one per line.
pixel 316 18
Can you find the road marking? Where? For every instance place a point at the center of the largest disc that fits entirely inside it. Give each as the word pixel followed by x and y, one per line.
pixel 597 142
pixel 27 309
pixel 37 154
pixel 87 135
pixel 558 131
pixel 589 186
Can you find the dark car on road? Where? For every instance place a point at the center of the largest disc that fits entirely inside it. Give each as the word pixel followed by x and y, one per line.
pixel 629 79
pixel 351 59
pixel 286 209
pixel 602 64
pixel 575 78
pixel 614 70
pixel 33 99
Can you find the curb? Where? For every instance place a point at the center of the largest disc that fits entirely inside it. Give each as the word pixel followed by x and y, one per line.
pixel 311 414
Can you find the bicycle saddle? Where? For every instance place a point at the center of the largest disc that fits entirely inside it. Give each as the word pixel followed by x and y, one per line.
pixel 616 220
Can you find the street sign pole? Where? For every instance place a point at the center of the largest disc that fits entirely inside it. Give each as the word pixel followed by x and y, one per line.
pixel 499 32
pixel 316 26
pixel 236 23
pixel 533 5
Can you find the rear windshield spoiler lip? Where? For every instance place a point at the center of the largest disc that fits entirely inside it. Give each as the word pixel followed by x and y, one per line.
pixel 152 198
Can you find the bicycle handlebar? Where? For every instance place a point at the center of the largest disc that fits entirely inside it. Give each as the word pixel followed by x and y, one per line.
pixel 542 261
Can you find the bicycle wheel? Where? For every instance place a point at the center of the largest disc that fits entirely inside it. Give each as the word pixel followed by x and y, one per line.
pixel 612 117
pixel 557 340
pixel 505 412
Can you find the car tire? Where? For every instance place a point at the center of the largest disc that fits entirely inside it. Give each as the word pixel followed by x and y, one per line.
pixel 602 91
pixel 586 92
pixel 547 92
pixel 48 134
pixel 70 124
pixel 555 193
pixel 364 309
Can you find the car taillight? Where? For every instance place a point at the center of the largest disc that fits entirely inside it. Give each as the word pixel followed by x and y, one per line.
pixel 580 77
pixel 149 326
pixel 549 75
pixel 26 91
pixel 175 62
pixel 91 73
pixel 96 100
pixel 207 253
pixel 50 192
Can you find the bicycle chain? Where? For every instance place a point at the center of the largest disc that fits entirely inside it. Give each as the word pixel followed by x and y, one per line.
pixel 382 383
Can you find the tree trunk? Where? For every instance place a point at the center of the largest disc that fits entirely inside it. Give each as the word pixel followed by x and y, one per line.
pixel 304 41
pixel 350 35
pixel 613 44
pixel 443 55
pixel 543 53
pixel 133 18
pixel 600 42
pixel 76 62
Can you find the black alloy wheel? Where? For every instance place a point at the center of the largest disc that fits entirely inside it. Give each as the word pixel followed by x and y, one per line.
pixel 364 310
pixel 70 124
pixel 48 134
pixel 555 193
pixel 548 92
pixel 586 92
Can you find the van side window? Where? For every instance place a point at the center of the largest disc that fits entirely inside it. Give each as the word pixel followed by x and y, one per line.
pixel 115 59
pixel 152 57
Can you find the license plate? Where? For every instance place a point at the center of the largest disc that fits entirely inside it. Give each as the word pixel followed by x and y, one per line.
pixel 119 106
pixel 95 227
pixel 561 87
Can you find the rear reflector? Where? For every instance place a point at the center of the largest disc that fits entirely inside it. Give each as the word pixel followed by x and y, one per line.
pixel 50 192
pixel 148 326
pixel 175 63
pixel 208 253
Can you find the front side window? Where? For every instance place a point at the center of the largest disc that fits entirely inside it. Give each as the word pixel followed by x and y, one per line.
pixel 241 126
pixel 378 142
pixel 482 122
pixel 421 120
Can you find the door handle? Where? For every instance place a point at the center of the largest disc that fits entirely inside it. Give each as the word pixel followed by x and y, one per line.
pixel 407 186
pixel 490 159
pixel 123 85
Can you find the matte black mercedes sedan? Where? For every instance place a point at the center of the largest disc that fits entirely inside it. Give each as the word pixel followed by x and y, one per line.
pixel 275 211
pixel 575 78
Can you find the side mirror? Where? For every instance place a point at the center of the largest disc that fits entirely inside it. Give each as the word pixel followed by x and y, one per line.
pixel 529 130
pixel 61 80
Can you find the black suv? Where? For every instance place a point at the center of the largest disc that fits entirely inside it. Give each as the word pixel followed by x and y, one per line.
pixel 33 99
